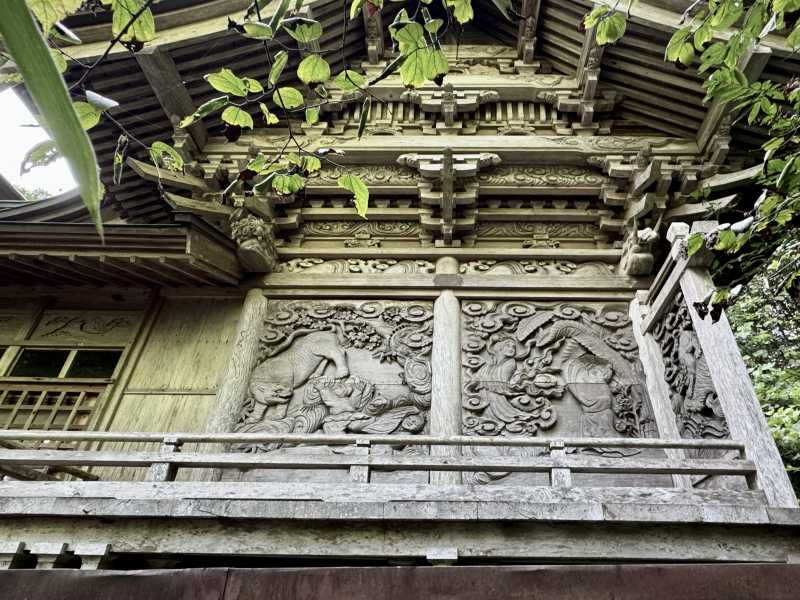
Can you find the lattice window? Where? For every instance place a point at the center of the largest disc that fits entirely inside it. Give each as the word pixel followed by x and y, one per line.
pixel 55 388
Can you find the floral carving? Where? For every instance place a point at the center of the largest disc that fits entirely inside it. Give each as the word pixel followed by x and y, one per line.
pixel 337 229
pixel 341 368
pixel 524 229
pixel 355 265
pixel 555 175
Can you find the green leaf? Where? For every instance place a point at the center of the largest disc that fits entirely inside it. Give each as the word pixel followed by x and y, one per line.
pixel 433 25
pixel 142 30
pixel 205 109
pixel 676 42
pixel 686 54
pixel 88 114
pixel 252 85
pixel 277 67
pixel 727 14
pixel 258 30
pixel 793 39
pixel 269 117
pixel 610 29
pixel 712 56
pixel 312 115
pixel 164 155
pixel 703 35
pixel 305 32
pixel 462 10
pixel 233 115
pixel 58 60
pixel 355 8
pixel 40 155
pixel 49 12
pixel 695 243
pixel 314 69
pixel 45 86
pixel 725 240
pixel 311 164
pixel 594 16
pixel 277 16
pixel 288 98
pixel 354 184
pixel 227 82
pixel 349 81
pixel 288 184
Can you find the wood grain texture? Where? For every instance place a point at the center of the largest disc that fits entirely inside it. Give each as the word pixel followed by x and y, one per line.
pixel 657 388
pixel 445 412
pixel 188 346
pixel 736 393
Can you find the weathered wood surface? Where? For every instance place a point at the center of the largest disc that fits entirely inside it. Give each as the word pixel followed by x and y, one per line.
pixel 736 395
pixel 345 440
pixel 530 541
pixel 657 388
pixel 242 358
pixel 445 411
pixel 577 463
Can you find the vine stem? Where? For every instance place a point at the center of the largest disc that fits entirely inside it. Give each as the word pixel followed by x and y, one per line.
pixel 113 43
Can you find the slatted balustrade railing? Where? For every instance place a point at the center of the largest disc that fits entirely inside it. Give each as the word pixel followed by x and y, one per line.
pixel 554 460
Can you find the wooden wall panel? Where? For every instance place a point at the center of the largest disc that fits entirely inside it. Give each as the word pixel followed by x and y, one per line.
pixel 156 412
pixel 188 347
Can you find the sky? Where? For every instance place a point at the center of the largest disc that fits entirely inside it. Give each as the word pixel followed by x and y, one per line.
pixel 17 136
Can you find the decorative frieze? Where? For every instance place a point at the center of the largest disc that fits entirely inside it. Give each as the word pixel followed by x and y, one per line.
pixel 85 326
pixel 355 265
pixel 537 267
pixel 349 367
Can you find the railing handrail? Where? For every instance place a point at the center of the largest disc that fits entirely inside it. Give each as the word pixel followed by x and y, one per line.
pixel 351 439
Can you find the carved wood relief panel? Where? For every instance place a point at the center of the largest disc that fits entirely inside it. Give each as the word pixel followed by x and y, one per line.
pixel 567 369
pixel 694 400
pixel 341 367
pixel 552 370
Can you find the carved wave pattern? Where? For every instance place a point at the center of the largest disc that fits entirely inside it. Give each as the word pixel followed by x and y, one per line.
pixel 372 175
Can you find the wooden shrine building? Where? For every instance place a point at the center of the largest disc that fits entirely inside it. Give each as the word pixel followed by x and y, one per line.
pixel 502 365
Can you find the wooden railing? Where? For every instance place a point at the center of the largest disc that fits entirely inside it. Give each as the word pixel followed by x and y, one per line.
pixel 554 460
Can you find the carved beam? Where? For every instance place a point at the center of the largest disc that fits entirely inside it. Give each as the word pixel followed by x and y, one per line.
pixel 161 73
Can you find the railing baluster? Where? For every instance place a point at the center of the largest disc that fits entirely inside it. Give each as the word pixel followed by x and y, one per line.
pixel 165 471
pixel 559 476
pixel 357 472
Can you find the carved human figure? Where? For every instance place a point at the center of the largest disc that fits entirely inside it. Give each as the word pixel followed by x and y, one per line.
pixel 589 379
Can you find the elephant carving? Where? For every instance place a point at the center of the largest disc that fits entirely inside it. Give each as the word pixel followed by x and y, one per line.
pixel 305 354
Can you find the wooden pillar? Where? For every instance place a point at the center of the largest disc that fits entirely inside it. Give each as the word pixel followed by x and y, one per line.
pixel 445 415
pixel 735 391
pixel 235 379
